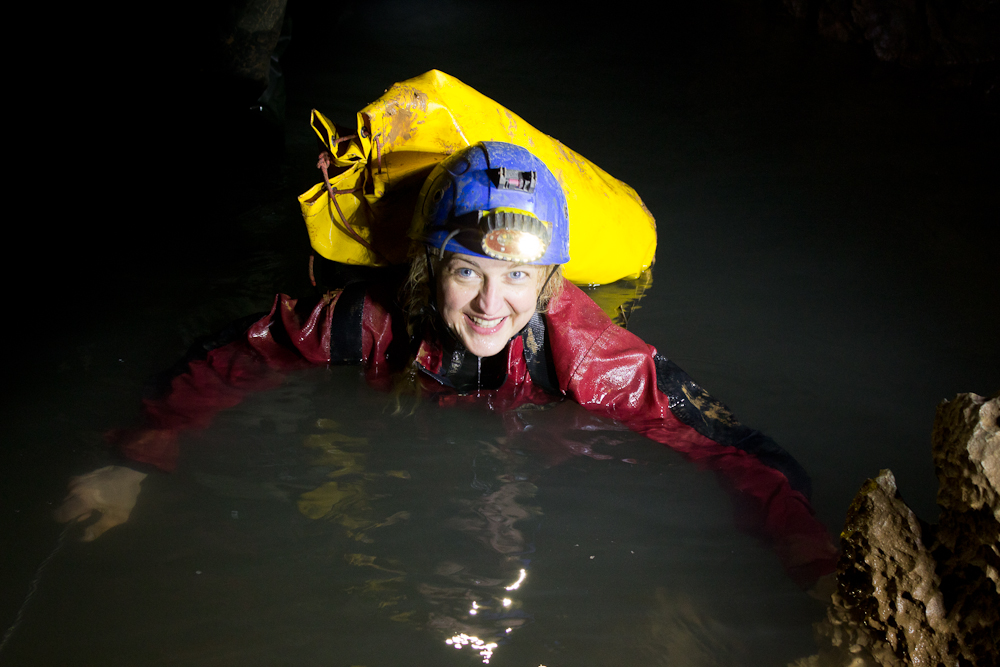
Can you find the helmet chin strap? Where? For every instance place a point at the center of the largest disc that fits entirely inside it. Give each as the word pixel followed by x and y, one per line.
pixel 545 284
pixel 445 243
pixel 432 300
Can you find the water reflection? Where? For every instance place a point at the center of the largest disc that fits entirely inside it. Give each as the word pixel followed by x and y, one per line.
pixel 465 598
pixel 484 649
pixel 446 537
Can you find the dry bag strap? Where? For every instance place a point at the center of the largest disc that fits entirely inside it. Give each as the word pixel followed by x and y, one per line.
pixel 324 164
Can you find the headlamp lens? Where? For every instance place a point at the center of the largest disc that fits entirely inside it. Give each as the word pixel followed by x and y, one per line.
pixel 514 235
pixel 513 245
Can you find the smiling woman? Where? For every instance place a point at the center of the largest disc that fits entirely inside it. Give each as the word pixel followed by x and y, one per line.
pixel 485 302
pixel 489 319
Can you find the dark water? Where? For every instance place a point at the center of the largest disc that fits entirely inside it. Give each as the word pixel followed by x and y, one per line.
pixel 243 557
pixel 826 267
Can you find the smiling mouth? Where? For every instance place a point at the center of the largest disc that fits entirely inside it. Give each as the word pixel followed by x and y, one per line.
pixel 485 326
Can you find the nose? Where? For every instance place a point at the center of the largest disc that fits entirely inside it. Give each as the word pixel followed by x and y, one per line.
pixel 490 298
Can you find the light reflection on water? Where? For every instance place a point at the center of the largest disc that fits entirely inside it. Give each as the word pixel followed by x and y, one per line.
pixel 311 526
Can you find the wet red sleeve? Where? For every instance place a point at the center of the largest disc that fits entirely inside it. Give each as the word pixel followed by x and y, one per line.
pixel 287 337
pixel 622 383
pixel 613 373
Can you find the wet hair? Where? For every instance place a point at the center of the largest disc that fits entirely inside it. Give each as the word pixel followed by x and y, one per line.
pixel 419 292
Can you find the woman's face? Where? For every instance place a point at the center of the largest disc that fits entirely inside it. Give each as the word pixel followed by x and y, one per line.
pixel 486 302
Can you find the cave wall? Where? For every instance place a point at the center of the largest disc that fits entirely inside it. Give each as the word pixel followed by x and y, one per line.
pixel 910 593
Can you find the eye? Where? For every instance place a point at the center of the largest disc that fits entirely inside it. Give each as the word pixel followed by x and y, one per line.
pixel 518 275
pixel 465 272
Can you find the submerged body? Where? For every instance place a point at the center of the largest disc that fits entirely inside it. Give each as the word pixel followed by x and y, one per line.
pixel 573 351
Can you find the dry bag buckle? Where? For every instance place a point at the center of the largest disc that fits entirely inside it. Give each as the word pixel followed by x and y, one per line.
pixel 514 179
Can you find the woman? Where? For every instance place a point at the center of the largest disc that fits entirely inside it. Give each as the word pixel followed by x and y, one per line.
pixel 485 316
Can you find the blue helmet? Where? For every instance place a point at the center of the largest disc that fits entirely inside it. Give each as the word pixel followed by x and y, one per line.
pixel 496 200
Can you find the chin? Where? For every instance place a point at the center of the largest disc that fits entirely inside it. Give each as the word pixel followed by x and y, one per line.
pixel 485 348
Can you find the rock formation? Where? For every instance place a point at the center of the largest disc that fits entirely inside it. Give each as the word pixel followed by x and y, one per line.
pixel 913 594
pixel 967 546
pixel 249 38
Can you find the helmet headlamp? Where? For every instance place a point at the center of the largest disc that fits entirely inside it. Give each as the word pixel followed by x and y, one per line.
pixel 513 235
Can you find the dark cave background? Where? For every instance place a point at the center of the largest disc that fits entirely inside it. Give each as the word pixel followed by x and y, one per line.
pixel 144 140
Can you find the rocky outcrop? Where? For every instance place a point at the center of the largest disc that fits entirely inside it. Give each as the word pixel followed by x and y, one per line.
pixel 913 594
pixel 967 546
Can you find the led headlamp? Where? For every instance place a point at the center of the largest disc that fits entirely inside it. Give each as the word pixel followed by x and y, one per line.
pixel 513 235
pixel 510 233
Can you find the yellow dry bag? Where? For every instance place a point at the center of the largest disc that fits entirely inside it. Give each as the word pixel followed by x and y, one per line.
pixel 361 213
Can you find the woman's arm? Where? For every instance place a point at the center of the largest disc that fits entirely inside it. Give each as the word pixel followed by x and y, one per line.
pixel 217 373
pixel 613 373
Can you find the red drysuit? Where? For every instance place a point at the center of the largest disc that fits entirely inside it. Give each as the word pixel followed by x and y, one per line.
pixel 574 349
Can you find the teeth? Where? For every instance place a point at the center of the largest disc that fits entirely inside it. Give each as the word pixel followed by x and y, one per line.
pixel 486 323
